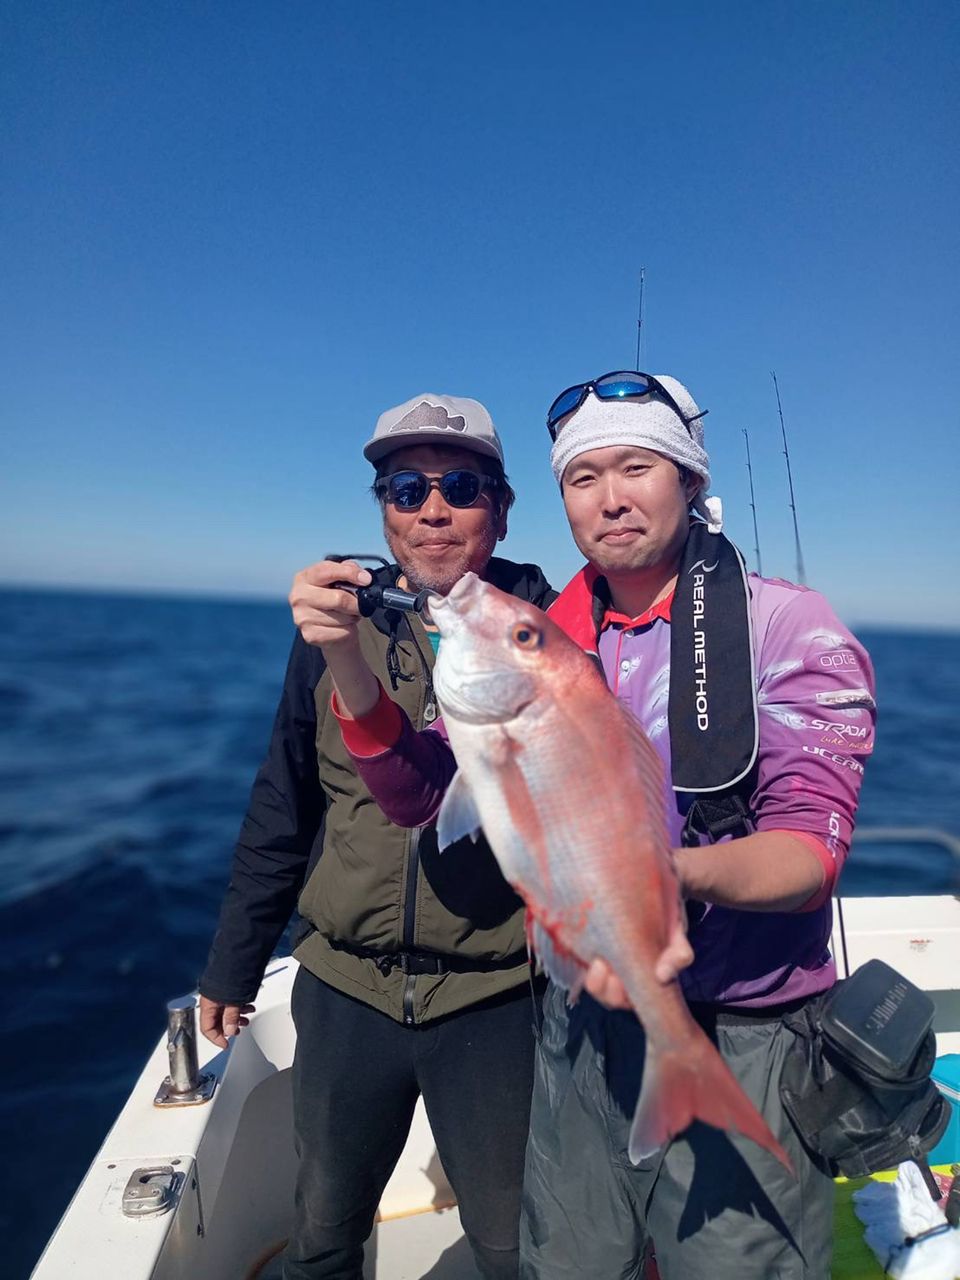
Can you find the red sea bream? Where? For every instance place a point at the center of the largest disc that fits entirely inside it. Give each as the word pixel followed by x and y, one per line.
pixel 569 793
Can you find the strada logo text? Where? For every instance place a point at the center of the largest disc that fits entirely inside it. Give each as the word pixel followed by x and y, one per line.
pixel 700 643
pixel 846 730
pixel 838 733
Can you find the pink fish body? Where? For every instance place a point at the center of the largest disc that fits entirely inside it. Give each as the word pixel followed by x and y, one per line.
pixel 569 793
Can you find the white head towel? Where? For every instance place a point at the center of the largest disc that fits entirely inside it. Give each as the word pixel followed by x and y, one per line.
pixel 649 424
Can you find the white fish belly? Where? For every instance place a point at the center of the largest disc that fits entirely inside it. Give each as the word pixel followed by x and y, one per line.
pixel 569 869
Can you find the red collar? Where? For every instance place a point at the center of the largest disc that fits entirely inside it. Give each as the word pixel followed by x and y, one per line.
pixel 659 610
pixel 572 611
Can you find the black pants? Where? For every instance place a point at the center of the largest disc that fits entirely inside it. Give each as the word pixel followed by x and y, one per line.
pixel 356 1078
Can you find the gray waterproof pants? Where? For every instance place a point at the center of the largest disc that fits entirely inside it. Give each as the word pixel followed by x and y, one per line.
pixel 716 1207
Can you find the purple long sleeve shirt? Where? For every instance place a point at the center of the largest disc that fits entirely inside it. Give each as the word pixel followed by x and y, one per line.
pixel 815 693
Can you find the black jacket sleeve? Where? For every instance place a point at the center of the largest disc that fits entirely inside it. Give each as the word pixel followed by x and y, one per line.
pixel 284 821
pixel 545 594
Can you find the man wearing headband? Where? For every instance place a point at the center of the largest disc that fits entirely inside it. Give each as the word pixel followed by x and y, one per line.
pixel 414 977
pixel 760 705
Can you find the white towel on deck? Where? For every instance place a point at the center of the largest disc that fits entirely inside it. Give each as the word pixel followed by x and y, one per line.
pixel 892 1211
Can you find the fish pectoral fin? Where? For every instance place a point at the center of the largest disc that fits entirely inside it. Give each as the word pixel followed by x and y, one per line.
pixel 561 966
pixel 458 815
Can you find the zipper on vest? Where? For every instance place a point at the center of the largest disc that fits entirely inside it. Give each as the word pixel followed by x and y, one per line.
pixel 430 701
pixel 413 857
pixel 410 922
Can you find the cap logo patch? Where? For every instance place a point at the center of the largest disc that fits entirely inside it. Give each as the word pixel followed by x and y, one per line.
pixel 429 417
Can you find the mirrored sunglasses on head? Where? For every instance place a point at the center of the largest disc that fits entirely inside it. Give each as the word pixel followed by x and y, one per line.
pixel 625 384
pixel 409 490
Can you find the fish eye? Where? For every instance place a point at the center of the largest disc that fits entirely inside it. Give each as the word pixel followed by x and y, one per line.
pixel 527 636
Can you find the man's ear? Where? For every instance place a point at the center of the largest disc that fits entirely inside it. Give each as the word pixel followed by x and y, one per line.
pixel 502 523
pixel 692 484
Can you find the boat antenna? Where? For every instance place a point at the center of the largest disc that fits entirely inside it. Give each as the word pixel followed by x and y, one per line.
pixel 753 506
pixel 640 321
pixel 801 573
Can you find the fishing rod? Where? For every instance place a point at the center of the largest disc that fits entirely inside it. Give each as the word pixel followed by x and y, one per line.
pixel 753 506
pixel 801 572
pixel 640 321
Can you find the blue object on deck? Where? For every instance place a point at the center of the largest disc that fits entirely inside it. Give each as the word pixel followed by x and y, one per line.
pixel 946 1076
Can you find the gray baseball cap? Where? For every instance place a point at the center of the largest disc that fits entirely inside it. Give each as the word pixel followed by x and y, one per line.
pixel 432 419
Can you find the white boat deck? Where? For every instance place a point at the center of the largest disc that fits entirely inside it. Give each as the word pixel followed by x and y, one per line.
pixel 237 1157
pixel 238 1162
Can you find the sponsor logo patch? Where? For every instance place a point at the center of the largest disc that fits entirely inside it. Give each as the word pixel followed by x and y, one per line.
pixel 842 761
pixel 851 737
pixel 846 698
pixel 835 726
pixel 840 660
pixel 700 646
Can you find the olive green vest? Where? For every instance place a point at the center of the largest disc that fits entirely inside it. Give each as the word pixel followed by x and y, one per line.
pixel 382 899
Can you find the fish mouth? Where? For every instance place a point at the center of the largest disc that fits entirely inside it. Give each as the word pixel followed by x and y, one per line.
pixel 493 693
pixel 449 611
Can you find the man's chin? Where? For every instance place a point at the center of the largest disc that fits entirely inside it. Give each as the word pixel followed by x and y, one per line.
pixel 439 575
pixel 439 572
pixel 611 558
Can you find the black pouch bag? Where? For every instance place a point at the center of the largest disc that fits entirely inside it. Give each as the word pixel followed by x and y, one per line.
pixel 856 1082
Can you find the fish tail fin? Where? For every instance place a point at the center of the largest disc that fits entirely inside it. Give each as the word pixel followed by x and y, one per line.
pixel 692 1082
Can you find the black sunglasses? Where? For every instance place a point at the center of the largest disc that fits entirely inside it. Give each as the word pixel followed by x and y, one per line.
pixel 623 385
pixel 409 490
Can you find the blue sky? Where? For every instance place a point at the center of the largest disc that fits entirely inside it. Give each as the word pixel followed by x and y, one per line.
pixel 231 234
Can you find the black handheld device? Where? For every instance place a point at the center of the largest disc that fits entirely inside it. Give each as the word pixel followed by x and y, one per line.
pixel 377 596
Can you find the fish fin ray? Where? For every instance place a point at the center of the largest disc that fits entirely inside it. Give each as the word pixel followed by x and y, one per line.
pixel 690 1083
pixel 560 965
pixel 458 816
pixel 648 771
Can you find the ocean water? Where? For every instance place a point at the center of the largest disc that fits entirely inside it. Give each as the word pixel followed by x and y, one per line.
pixel 130 730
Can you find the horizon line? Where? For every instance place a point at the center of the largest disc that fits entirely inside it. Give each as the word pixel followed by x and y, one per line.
pixel 261 597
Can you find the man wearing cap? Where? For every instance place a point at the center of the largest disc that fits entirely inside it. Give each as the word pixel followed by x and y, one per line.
pixel 414 977
pixel 760 704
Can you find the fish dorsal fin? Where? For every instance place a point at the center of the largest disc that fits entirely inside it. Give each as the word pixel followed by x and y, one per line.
pixel 643 763
pixel 646 761
pixel 458 815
